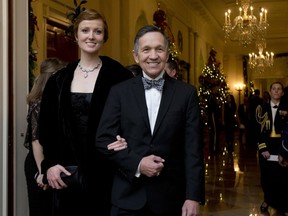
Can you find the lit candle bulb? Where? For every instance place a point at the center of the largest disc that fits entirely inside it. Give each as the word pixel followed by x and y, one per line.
pixel 229 12
pixel 240 11
pixel 265 16
pixel 251 9
pixel 226 14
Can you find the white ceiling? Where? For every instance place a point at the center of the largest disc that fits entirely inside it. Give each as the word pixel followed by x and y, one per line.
pixel 277 35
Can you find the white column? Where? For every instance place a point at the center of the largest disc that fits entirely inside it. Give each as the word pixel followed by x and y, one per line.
pixel 4 107
pixel 20 70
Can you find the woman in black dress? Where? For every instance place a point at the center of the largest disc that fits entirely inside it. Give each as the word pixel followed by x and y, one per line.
pixel 72 105
pixel 40 199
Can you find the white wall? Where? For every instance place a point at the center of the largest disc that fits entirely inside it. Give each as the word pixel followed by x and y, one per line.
pixel 3 106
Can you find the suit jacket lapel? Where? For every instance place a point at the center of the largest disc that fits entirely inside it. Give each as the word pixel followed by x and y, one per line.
pixel 139 94
pixel 167 95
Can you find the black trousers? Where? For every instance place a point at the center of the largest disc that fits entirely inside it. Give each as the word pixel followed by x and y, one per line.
pixel 145 211
pixel 274 179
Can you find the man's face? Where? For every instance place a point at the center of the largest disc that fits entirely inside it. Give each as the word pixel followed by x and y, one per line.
pixel 152 54
pixel 170 72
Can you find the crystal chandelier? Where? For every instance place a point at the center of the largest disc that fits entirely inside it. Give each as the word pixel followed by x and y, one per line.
pixel 261 62
pixel 245 28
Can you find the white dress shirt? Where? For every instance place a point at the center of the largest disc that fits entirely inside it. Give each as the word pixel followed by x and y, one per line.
pixel 153 99
pixel 274 110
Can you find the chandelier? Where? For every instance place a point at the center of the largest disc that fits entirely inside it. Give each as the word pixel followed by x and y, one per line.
pixel 245 28
pixel 261 62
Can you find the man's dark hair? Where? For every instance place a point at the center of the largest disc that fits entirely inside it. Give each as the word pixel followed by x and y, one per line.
pixel 147 29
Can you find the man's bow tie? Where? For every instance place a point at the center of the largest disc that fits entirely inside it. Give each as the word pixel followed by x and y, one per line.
pixel 276 106
pixel 158 84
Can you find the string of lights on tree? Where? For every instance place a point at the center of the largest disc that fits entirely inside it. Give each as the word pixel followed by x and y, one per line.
pixel 212 76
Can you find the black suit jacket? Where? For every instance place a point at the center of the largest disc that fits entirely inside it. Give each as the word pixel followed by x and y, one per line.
pixel 176 139
pixel 243 114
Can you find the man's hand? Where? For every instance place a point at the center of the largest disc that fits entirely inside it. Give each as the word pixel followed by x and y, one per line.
pixel 266 154
pixel 282 161
pixel 190 208
pixel 151 165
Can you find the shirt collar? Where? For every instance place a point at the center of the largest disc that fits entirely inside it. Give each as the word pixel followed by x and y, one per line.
pixel 273 104
pixel 158 77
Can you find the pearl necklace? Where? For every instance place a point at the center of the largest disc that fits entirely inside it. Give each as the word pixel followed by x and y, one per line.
pixel 86 71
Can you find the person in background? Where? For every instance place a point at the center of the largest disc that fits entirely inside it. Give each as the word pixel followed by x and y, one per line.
pixel 266 97
pixel 230 121
pixel 215 119
pixel 243 117
pixel 254 101
pixel 162 170
pixel 274 177
pixel 172 68
pixel 135 69
pixel 283 111
pixel 72 104
pixel 39 198
pixel 283 151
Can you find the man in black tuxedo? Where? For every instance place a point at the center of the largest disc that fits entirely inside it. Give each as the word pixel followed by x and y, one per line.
pixel 243 115
pixel 283 152
pixel 161 173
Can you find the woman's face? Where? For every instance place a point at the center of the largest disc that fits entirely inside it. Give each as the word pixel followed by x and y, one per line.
pixel 90 35
pixel 276 91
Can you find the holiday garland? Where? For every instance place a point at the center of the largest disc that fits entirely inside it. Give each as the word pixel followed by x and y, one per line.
pixel 32 52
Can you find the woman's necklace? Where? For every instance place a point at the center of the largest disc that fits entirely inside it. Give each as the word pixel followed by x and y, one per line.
pixel 86 71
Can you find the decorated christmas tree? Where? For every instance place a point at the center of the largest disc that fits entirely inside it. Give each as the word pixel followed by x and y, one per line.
pixel 212 77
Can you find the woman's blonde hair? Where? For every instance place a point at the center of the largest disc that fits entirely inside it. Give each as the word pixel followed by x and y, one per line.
pixel 47 68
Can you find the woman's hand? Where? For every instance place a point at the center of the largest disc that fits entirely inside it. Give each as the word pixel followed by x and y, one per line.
pixel 40 183
pixel 118 145
pixel 53 176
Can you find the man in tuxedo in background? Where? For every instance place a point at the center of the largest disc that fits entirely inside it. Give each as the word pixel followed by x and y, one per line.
pixel 254 130
pixel 243 115
pixel 161 173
